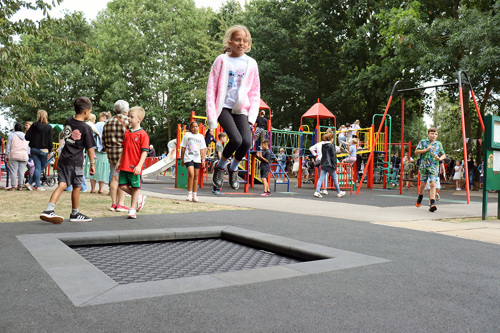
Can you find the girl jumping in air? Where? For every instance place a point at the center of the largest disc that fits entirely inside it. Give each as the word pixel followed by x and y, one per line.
pixel 233 99
pixel 193 150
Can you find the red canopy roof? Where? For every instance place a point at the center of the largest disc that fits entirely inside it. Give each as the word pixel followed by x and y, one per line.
pixel 263 106
pixel 318 110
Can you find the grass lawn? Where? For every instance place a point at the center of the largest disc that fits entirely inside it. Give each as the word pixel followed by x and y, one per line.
pixel 471 219
pixel 21 206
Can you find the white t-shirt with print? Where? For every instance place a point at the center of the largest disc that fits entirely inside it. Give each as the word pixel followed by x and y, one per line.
pixel 237 68
pixel 193 143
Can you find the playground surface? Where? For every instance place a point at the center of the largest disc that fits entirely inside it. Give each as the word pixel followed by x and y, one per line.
pixel 438 276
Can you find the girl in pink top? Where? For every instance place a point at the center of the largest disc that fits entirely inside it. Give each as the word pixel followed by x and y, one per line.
pixel 233 99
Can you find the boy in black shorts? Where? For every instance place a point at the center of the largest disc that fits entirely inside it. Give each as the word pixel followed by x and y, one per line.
pixel 77 136
pixel 264 156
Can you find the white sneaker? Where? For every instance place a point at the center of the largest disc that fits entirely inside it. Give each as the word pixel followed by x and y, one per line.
pixel 341 194
pixel 189 197
pixel 318 195
pixel 141 201
pixel 195 198
pixel 132 214
pixel 438 197
pixel 324 192
pixel 459 189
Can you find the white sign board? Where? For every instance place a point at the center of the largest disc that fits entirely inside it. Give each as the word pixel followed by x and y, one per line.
pixel 496 131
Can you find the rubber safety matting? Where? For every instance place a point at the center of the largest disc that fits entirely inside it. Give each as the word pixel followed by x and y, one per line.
pixel 153 261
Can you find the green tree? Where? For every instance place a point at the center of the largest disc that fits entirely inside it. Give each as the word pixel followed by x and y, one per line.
pixel 16 70
pixel 156 54
pixel 65 78
pixel 447 117
pixel 325 49
pixel 438 39
pixel 277 42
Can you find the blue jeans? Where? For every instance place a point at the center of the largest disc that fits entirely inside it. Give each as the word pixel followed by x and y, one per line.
pixel 83 188
pixel 40 160
pixel 471 178
pixel 322 177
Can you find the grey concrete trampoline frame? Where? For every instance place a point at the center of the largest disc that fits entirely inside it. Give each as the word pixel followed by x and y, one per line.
pixel 86 285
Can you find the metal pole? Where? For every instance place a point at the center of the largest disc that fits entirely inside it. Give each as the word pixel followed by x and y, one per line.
pixel 386 157
pixel 463 136
pixel 477 109
pixel 423 88
pixel 402 144
pixel 473 96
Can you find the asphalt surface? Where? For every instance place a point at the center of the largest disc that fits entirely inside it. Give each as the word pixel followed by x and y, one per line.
pixel 432 282
pixel 378 197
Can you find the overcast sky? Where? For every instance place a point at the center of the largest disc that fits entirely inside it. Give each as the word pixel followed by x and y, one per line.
pixel 91 7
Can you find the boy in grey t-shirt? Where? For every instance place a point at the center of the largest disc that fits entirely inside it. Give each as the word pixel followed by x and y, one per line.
pixel 219 148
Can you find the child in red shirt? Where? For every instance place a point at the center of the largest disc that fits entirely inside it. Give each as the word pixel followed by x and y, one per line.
pixel 134 153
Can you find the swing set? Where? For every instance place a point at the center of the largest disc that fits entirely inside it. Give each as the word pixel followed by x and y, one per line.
pixel 463 79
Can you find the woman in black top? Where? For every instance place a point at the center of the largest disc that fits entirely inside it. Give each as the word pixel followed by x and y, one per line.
pixel 40 137
pixel 471 164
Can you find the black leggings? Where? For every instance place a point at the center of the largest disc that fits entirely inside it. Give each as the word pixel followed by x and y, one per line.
pixel 237 129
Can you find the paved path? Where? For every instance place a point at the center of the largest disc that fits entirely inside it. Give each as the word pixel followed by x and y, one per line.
pixel 395 216
pixel 429 282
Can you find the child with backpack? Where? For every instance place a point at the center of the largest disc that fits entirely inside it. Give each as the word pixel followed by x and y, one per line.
pixel 17 156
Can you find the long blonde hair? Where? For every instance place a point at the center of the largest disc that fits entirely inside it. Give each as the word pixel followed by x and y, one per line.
pixel 42 116
pixel 229 34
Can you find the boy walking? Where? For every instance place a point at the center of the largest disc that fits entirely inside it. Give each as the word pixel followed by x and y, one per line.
pixel 264 156
pixel 134 153
pixel 77 136
pixel 219 148
pixel 432 153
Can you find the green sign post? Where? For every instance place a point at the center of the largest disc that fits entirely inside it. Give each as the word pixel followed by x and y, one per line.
pixel 491 161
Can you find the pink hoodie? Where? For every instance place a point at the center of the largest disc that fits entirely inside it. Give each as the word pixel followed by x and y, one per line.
pixel 248 93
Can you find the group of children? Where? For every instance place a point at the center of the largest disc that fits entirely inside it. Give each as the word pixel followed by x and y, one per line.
pixel 459 172
pixel 233 100
pixel 78 136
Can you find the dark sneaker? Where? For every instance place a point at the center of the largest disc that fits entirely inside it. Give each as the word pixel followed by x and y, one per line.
pixel 233 178
pixel 79 217
pixel 52 217
pixel 218 177
pixel 432 209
